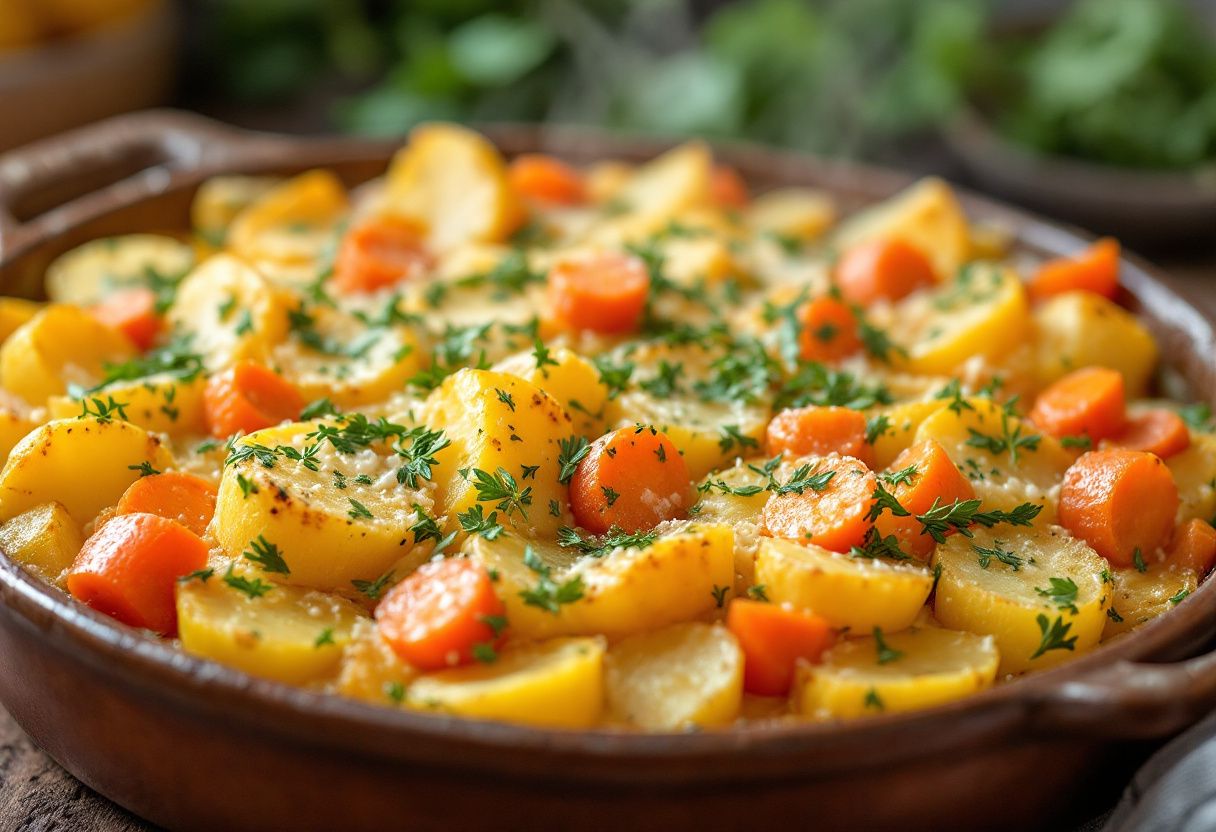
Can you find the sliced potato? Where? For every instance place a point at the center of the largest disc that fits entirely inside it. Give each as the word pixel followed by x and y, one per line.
pixel 1138 597
pixel 498 422
pixel 164 403
pixel 742 512
pixel 85 464
pixel 230 312
pixel 14 312
pixel 849 592
pixel 294 221
pixel 60 346
pixel 452 181
pixel 803 213
pixel 927 214
pixel 623 592
pixel 572 380
pixel 313 517
pixel 905 419
pixel 970 433
pixel 684 675
pixel 1032 622
pixel 659 191
pixel 981 312
pixel 371 670
pixel 45 539
pixel 290 634
pixel 87 273
pixel 922 667
pixel 220 199
pixel 1081 329
pixel 1194 473
pixel 557 683
pixel 15 423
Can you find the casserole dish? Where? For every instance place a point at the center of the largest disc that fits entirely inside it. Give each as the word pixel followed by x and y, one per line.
pixel 138 721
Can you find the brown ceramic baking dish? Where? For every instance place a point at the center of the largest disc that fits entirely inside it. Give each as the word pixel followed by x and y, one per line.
pixel 192 745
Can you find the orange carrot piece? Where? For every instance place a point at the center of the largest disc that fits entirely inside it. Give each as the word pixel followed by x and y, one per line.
pixel 828 330
pixel 1094 270
pixel 1161 432
pixel 727 188
pixel 129 567
pixel 133 313
pixel 441 614
pixel 836 517
pixel 923 474
pixel 379 252
pixel 1120 502
pixel 546 179
pixel 632 479
pixel 248 397
pixel 1193 547
pixel 1086 402
pixel 186 498
pixel 884 269
pixel 819 431
pixel 773 639
pixel 605 293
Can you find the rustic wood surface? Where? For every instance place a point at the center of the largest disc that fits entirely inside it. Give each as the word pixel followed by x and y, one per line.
pixel 36 795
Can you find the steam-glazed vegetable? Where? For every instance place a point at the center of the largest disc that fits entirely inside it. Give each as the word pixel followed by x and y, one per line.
pixel 621 446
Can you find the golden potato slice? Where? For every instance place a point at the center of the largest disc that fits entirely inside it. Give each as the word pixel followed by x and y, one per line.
pixel 15 423
pixel 557 683
pixel 333 518
pixel 60 346
pixel 571 379
pixel 334 354
pixel 978 436
pixel 45 539
pixel 453 182
pixel 1137 597
pixel 85 464
pixel 981 312
pixel 230 312
pixel 87 273
pixel 904 420
pixel 290 634
pixel 164 402
pixel 741 511
pixel 857 593
pixel 1081 329
pixel 804 213
pixel 621 592
pixel 918 668
pixel 684 675
pixel 658 191
pixel 294 221
pixel 219 200
pixel 1194 473
pixel 14 312
pixel 500 423
pixel 371 670
pixel 1040 593
pixel 927 215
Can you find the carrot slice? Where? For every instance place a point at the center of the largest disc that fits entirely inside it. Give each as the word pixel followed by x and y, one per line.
pixel 883 269
pixel 1161 432
pixel 1120 502
pixel 835 515
pixel 632 479
pixel 133 313
pixel 248 397
pixel 605 293
pixel 1087 402
pixel 1193 547
pixel 379 252
pixel 919 477
pixel 773 639
pixel 179 496
pixel 128 569
pixel 1094 270
pixel 829 330
pixel 819 431
pixel 727 188
pixel 546 179
pixel 439 615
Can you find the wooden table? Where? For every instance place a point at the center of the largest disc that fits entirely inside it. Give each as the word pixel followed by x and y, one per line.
pixel 36 795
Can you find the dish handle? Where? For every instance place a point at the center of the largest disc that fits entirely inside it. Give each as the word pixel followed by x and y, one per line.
pixel 1130 700
pixel 84 173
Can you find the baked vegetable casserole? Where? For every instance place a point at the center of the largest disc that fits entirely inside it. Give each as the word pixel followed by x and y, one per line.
pixel 616 446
